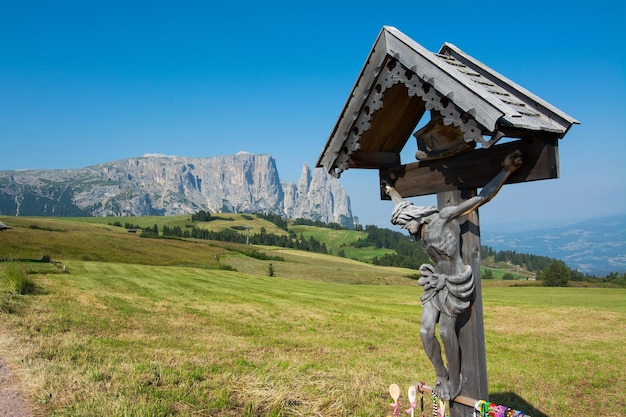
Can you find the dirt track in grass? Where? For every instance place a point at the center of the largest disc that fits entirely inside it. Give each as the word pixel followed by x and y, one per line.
pixel 12 402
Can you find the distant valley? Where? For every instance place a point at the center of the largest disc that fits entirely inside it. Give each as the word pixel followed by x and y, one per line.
pixel 596 246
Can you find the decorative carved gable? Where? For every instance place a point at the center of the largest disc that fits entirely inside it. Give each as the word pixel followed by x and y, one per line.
pixel 469 104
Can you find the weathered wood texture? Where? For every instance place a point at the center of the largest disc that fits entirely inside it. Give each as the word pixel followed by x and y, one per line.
pixel 390 126
pixel 475 169
pixel 522 109
pixel 470 324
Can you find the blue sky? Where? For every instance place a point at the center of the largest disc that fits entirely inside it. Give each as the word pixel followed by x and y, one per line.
pixel 88 82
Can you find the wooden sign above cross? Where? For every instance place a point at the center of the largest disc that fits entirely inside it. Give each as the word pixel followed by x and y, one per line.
pixel 479 129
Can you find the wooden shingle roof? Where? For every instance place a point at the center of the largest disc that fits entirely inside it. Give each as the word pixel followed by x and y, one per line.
pixel 469 103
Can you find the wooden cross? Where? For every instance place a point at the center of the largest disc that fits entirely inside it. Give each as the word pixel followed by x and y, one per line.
pixel 471 109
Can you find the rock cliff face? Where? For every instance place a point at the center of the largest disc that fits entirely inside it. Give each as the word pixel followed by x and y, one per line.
pixel 170 185
pixel 316 194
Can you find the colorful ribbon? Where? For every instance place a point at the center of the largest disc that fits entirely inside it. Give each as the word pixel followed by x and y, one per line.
pixel 486 409
pixel 395 406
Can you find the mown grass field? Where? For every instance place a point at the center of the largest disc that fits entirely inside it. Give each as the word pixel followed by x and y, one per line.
pixel 154 327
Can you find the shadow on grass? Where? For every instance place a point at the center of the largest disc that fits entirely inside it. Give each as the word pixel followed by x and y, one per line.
pixel 512 400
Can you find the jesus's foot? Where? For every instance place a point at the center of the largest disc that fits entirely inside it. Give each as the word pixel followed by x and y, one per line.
pixel 446 389
pixel 454 389
pixel 440 389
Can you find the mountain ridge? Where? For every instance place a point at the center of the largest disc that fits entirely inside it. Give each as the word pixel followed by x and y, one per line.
pixel 166 185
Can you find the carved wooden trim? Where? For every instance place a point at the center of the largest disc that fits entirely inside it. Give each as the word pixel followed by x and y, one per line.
pixel 392 73
pixel 450 112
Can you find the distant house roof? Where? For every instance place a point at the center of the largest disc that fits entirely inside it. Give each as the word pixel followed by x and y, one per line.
pixel 401 80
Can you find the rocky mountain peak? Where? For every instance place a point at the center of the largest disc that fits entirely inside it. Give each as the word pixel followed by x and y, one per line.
pixel 169 185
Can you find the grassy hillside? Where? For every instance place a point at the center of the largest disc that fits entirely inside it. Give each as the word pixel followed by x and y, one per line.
pixel 40 242
pixel 156 327
pixel 184 221
pixel 70 239
pixel 337 240
pixel 94 239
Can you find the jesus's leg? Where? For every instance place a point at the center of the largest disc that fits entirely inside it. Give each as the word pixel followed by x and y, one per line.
pixel 450 339
pixel 430 316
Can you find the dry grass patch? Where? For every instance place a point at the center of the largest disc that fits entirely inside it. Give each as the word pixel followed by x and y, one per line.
pixel 558 355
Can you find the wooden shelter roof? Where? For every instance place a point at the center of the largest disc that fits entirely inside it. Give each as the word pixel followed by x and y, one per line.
pixel 401 81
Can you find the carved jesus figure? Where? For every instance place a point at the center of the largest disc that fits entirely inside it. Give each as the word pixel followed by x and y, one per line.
pixel 449 284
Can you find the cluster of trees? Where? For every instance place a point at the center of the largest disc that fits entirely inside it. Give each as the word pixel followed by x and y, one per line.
pixel 557 274
pixel 151 231
pixel 229 235
pixel 126 225
pixel 488 274
pixel 550 271
pixel 408 253
pixel 318 223
pixel 202 216
pixel 279 221
pixel 615 278
pixel 531 262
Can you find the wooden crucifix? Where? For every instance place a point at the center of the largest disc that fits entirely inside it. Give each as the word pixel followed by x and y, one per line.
pixel 450 284
pixel 471 108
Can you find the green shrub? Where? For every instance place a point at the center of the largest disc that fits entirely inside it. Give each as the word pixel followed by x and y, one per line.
pixel 226 267
pixel 18 280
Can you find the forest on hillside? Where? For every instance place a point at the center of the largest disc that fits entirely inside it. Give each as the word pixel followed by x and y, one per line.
pixel 408 253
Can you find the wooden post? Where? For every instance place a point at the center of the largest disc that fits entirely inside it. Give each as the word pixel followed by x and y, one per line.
pixel 470 324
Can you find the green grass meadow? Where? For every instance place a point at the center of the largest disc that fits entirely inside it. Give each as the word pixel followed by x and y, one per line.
pixel 153 327
pixel 337 240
